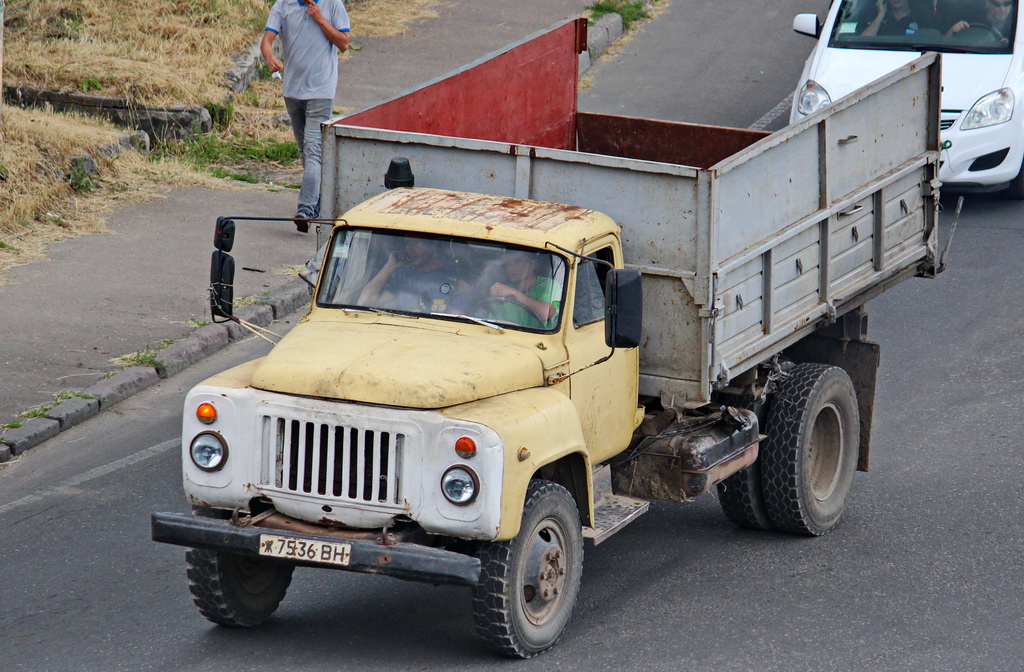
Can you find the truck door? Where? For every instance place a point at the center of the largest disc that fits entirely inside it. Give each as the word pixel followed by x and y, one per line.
pixel 605 393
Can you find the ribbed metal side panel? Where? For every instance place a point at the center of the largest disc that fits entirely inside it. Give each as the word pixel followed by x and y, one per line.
pixel 350 463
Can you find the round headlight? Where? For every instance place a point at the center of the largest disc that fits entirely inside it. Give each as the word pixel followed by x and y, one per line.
pixel 209 452
pixel 459 485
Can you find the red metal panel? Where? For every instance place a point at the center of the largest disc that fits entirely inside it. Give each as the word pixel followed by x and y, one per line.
pixel 663 141
pixel 525 94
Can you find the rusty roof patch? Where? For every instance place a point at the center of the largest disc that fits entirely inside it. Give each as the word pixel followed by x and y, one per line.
pixel 477 208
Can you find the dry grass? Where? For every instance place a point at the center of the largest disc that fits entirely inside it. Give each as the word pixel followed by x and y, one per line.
pixel 180 56
pixel 39 205
pixel 156 53
pixel 388 18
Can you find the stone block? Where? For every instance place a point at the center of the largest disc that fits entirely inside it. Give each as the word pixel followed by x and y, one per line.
pixel 30 434
pixel 289 298
pixel 200 344
pixel 122 385
pixel 259 315
pixel 73 411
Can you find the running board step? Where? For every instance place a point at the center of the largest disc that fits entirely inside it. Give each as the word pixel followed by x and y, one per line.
pixel 612 514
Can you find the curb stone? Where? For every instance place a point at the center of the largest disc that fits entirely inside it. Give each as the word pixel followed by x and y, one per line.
pixel 175 122
pixel 122 385
pixel 73 411
pixel 198 345
pixel 30 435
pixel 5 453
pixel 605 30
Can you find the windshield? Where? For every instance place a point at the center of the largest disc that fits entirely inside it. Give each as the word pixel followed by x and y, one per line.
pixel 951 26
pixel 452 278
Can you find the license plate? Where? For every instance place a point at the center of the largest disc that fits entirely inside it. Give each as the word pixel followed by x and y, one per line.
pixel 327 552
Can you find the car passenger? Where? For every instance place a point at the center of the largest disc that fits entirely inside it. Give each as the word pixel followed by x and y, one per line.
pixel 895 17
pixel 526 298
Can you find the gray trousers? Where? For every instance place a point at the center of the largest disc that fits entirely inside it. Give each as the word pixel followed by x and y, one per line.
pixel 306 117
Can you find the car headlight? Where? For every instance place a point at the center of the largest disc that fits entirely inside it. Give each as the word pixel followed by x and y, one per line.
pixel 208 451
pixel 459 485
pixel 991 109
pixel 812 98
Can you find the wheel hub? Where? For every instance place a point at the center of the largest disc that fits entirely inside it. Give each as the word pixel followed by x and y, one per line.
pixel 544 570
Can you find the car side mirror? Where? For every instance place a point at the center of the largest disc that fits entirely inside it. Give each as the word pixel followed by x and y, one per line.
pixel 623 308
pixel 807 24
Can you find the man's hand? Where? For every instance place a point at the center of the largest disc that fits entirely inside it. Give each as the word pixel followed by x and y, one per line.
pixel 275 64
pixel 957 27
pixel 267 49
pixel 313 10
pixel 337 38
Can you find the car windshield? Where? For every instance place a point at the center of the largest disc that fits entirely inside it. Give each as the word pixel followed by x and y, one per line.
pixel 451 278
pixel 950 26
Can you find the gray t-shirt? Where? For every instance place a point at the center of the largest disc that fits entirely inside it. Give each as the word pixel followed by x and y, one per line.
pixel 310 59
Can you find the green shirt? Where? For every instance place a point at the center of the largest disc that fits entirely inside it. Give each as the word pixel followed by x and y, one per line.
pixel 544 290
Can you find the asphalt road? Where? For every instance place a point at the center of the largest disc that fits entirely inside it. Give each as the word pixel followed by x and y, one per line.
pixel 924 572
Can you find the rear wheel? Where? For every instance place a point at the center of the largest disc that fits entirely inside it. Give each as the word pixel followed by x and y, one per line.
pixel 810 458
pixel 233 590
pixel 528 585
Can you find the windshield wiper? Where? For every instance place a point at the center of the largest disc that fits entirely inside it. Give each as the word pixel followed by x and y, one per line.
pixel 470 318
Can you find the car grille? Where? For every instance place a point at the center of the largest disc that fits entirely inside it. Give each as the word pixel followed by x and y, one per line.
pixel 948 118
pixel 350 463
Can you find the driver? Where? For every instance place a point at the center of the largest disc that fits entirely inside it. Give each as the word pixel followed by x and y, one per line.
pixel 418 278
pixel 996 15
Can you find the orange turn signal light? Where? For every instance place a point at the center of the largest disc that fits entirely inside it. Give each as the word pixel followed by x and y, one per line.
pixel 206 413
pixel 465 447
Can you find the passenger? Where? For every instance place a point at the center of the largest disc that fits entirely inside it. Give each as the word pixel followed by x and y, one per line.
pixel 526 299
pixel 419 278
pixel 995 15
pixel 894 17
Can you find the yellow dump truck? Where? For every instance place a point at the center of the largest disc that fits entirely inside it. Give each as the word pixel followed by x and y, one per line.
pixel 515 357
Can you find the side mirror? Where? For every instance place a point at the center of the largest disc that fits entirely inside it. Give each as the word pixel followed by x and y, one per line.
pixel 623 308
pixel 224 234
pixel 807 24
pixel 222 283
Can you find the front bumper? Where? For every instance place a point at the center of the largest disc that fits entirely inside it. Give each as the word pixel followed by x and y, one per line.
pixel 413 562
pixel 959 171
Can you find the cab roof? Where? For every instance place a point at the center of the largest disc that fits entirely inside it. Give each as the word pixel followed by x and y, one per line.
pixel 514 220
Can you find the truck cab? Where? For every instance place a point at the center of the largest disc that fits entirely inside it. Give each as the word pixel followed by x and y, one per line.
pixel 437 398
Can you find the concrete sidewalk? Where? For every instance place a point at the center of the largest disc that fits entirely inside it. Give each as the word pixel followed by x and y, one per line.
pixel 101 297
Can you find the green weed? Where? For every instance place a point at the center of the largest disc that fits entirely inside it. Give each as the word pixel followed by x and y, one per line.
pixel 631 11
pixel 220 149
pixel 59 398
pixel 90 84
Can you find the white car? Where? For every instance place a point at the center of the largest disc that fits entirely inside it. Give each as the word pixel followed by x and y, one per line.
pixel 982 118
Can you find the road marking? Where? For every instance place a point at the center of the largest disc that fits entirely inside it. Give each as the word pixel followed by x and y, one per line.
pixel 771 115
pixel 91 475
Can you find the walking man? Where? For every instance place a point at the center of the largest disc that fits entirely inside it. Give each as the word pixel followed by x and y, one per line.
pixel 312 32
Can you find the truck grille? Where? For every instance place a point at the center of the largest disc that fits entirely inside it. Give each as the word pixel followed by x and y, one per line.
pixel 350 463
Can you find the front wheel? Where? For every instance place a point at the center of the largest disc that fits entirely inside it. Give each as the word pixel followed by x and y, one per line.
pixel 811 450
pixel 233 590
pixel 528 585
